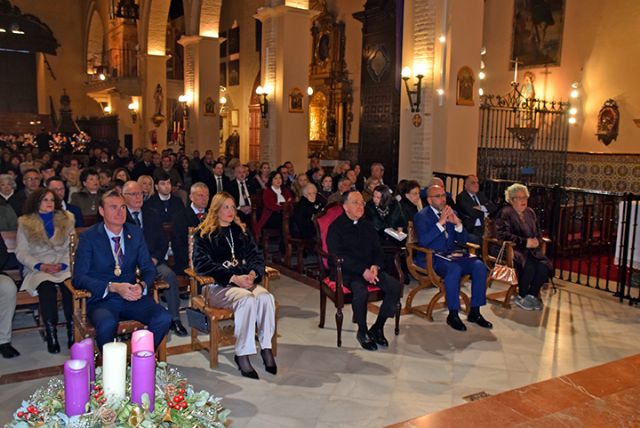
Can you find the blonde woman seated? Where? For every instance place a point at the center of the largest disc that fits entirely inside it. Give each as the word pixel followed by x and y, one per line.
pixel 225 250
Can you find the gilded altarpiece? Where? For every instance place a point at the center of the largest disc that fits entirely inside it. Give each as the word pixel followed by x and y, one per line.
pixel 330 113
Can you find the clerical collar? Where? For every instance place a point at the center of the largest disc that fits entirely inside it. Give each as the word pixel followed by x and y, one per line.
pixel 164 198
pixel 355 221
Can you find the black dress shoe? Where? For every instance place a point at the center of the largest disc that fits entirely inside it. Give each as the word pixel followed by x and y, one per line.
pixel 269 362
pixel 456 323
pixel 479 319
pixel 366 342
pixel 251 374
pixel 377 335
pixel 178 329
pixel 8 351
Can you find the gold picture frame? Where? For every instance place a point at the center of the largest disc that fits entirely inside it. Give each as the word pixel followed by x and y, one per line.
pixel 296 98
pixel 464 92
pixel 235 118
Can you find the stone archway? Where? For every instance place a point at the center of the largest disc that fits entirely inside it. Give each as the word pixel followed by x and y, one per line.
pixel 95 42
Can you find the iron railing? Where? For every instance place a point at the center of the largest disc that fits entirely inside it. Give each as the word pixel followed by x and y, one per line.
pixel 594 233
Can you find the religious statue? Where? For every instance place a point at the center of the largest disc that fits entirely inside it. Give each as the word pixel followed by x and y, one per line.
pixel 232 146
pixel 158 98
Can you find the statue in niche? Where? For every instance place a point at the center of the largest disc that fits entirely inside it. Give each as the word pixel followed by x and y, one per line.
pixel 158 97
pixel 528 91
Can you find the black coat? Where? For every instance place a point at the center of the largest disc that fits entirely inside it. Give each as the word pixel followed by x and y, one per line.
pixel 357 244
pixel 210 252
pixel 142 169
pixel 181 224
pixel 394 219
pixel 468 214
pixel 154 236
pixel 167 212
pixel 234 190
pixel 409 210
pixel 302 222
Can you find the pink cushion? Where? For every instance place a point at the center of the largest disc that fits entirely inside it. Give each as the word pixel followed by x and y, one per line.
pixel 323 224
pixel 345 290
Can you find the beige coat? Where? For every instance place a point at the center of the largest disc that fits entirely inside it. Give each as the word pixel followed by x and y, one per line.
pixel 34 246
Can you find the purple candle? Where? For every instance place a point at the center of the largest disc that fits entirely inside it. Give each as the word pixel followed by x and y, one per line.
pixel 76 387
pixel 84 351
pixel 143 377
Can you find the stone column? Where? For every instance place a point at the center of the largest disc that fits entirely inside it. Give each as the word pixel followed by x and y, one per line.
pixel 286 50
pixel 154 73
pixel 202 81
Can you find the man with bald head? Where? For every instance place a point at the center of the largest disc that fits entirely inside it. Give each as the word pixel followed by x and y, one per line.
pixel 438 228
pixel 148 220
pixel 355 240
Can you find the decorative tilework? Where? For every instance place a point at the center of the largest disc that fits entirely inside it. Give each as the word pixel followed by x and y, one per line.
pixel 608 172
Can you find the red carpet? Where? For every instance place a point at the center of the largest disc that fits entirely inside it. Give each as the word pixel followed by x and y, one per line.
pixel 595 266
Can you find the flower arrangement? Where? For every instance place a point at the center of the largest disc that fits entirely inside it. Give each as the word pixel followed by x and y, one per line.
pixel 176 405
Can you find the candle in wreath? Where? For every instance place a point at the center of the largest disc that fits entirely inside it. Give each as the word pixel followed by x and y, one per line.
pixel 83 350
pixel 143 377
pixel 141 340
pixel 76 387
pixel 114 369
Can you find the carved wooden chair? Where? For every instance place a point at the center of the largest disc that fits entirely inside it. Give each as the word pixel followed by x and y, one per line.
pixel 82 325
pixel 291 243
pixel 257 205
pixel 427 277
pixel 490 248
pixel 219 334
pixel 336 291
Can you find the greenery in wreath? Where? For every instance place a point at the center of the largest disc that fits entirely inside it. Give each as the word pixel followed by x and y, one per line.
pixel 176 405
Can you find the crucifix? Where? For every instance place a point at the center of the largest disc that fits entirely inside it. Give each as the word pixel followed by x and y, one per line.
pixel 515 70
pixel 546 73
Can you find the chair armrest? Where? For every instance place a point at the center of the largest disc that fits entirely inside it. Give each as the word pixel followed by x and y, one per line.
pixel 271 273
pixel 75 293
pixel 160 284
pixel 544 245
pixel 473 248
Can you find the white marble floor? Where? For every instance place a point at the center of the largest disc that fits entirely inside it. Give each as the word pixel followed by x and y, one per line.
pixel 427 367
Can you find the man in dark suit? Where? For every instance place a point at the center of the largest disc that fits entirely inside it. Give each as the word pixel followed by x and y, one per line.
pixel 220 181
pixel 163 201
pixel 105 264
pixel 31 179
pixel 157 243
pixel 438 227
pixel 191 216
pixel 8 292
pixel 474 207
pixel 240 189
pixel 362 265
pixel 56 184
pixel 144 167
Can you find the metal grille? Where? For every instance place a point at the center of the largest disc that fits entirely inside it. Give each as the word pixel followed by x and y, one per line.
pixel 523 139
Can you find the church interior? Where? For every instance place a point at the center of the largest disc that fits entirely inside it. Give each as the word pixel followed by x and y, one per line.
pixel 508 91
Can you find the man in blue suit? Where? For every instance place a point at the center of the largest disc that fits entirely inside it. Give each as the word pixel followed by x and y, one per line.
pixel 105 264
pixel 56 184
pixel 438 227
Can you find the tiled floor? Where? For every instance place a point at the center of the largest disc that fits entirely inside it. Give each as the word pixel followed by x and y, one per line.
pixel 427 368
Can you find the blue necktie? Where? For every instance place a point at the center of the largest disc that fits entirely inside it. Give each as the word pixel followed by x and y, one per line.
pixel 136 218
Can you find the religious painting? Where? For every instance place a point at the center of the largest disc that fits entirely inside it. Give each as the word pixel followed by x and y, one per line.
pixel 223 74
pixel 295 100
pixel 235 118
pixel 223 45
pixel 234 41
pixel 234 73
pixel 537 32
pixel 464 93
pixel 608 122
pixel 318 117
pixel 209 107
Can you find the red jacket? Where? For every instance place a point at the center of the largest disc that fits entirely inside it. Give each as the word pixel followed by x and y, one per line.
pixel 270 205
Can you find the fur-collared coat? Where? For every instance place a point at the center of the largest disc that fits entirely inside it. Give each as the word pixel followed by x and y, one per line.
pixel 33 246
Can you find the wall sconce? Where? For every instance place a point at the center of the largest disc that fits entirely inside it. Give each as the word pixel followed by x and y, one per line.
pixel 310 91
pixel 133 109
pixel 419 74
pixel 106 108
pixel 185 100
pixel 264 103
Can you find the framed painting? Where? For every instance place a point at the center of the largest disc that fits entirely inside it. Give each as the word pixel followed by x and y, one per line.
pixel 537 32
pixel 223 73
pixel 295 100
pixel 234 72
pixel 234 41
pixel 235 118
pixel 464 92
pixel 223 45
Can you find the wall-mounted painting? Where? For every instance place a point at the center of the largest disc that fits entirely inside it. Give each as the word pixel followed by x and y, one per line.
pixel 234 41
pixel 223 73
pixel 464 93
pixel 234 72
pixel 223 45
pixel 295 100
pixel 537 32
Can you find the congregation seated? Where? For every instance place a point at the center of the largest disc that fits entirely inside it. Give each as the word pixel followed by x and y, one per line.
pixel 410 201
pixel 7 186
pixel 384 212
pixel 296 188
pixel 325 190
pixel 437 181
pixel 8 218
pixel 163 201
pixel 369 185
pixel 168 168
pixel 121 174
pixel 273 197
pixel 438 228
pixel 144 166
pixel 56 185
pixel 315 176
pixel 192 215
pixel 148 219
pixel 8 292
pixel 262 176
pixel 226 251
pixel 88 198
pixel 107 259
pixel 31 180
pixel 518 224
pixel 148 186
pixel 42 247
pixel 241 189
pixel 302 226
pixel 362 266
pixel 473 208
pixel 344 185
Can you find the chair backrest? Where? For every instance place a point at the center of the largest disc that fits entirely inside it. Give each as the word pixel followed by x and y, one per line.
pixel 73 246
pixel 190 234
pixel 411 233
pixel 90 219
pixel 287 213
pixel 10 240
pixel 323 220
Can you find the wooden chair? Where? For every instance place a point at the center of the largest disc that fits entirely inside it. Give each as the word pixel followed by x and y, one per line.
pixel 427 277
pixel 219 335
pixel 257 205
pixel 291 243
pixel 490 246
pixel 336 290
pixel 83 327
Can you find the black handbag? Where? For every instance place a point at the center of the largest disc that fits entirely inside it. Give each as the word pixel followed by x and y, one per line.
pixel 197 320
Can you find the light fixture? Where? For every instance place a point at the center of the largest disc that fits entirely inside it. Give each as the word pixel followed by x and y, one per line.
pixel 106 109
pixel 442 38
pixel 480 91
pixel 481 75
pixel 572 120
pixel 573 111
pixel 414 95
pixel 264 103
pixel 133 109
pixel 309 90
pixel 102 76
pixel 440 91
pixel 185 100
pixel 223 100
pixel 574 93
pixel 126 9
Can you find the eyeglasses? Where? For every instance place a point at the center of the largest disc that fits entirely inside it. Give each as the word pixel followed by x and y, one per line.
pixel 442 195
pixel 134 194
pixel 519 198
pixel 361 203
